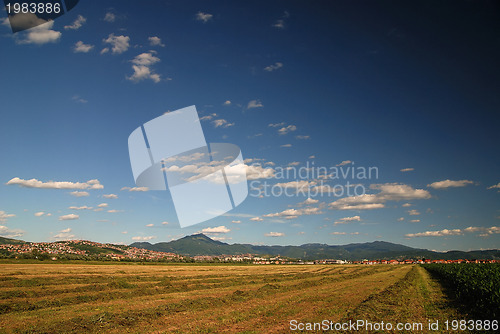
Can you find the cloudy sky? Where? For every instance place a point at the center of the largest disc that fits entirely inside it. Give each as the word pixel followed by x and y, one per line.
pixel 332 89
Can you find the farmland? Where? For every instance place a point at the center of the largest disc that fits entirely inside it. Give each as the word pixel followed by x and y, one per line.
pixel 475 286
pixel 135 298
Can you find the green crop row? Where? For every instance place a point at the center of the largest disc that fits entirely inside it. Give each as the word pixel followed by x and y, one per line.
pixel 474 285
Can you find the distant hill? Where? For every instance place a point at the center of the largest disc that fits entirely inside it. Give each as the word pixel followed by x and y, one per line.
pixel 4 241
pixel 200 244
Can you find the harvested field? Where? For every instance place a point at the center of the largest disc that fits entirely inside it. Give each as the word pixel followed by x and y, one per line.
pixel 134 298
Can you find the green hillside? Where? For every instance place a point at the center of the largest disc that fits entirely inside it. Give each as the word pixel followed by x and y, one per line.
pixel 10 241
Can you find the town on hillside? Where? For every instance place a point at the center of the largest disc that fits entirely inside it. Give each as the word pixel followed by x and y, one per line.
pixel 81 249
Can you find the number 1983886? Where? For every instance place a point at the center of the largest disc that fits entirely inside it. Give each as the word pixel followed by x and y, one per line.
pixel 33 8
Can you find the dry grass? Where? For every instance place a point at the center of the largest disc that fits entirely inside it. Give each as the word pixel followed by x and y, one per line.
pixel 50 298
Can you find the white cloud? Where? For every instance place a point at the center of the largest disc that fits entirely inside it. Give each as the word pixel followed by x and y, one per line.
pixel 124 232
pixel 256 219
pixel 276 125
pixel 103 205
pixel 113 196
pixel 119 44
pixel 255 135
pixel 442 233
pixel 362 202
pixel 144 238
pixel 398 192
pixel 10 233
pixel 208 117
pixel 186 158
pixel 343 163
pixel 280 24
pixel 308 201
pixel 227 103
pixel 274 234
pixel 155 41
pixel 407 170
pixel 203 17
pixel 496 186
pixel 286 145
pixel 71 216
pixel 347 220
pixel 273 67
pixel 299 185
pixel 110 17
pixel 113 211
pixel 415 221
pixel 401 219
pixel 64 235
pixel 222 123
pixel 4 216
pixel 294 213
pixel 135 188
pixel 254 104
pixel 286 129
pixel 81 47
pixel 41 34
pixel 413 212
pixel 80 20
pixel 234 173
pixel 449 184
pixel 145 59
pixel 236 221
pixel 302 137
pixel 406 205
pixel 255 172
pixel 79 193
pixel 78 99
pixel 338 233
pixel 80 207
pixel 150 225
pixel 484 232
pixel 216 230
pixel 143 73
pixel 388 192
pixel 39 214
pixel 164 223
pixel 34 183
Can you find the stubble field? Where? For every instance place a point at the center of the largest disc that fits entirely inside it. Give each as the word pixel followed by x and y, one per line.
pixel 134 298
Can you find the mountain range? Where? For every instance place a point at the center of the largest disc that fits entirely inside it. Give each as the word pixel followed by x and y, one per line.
pixel 200 244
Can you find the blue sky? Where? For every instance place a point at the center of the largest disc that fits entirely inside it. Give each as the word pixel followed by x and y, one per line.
pixel 409 90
